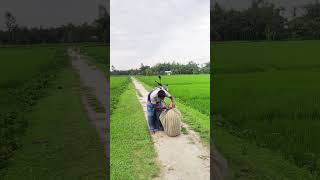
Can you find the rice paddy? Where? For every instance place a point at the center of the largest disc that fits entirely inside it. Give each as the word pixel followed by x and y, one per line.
pixel 268 93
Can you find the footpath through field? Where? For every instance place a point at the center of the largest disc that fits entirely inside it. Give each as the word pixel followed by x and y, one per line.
pixel 182 157
pixel 94 83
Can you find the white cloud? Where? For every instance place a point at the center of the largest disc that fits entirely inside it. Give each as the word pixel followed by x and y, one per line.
pixel 150 32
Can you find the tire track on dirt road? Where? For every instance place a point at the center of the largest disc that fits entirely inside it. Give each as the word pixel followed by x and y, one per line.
pixel 95 82
pixel 181 158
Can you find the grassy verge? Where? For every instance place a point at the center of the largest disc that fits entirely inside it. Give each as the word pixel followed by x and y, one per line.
pixel 131 148
pixel 60 142
pixel 118 85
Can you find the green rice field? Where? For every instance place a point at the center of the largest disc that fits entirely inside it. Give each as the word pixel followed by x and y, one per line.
pixel 267 93
pixel 191 90
pixel 14 70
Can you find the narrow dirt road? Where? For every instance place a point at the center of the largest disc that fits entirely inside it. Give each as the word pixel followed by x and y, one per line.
pixel 96 83
pixel 183 157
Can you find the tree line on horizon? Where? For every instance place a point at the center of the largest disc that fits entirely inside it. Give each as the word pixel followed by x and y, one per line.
pixel 265 21
pixel 97 31
pixel 161 68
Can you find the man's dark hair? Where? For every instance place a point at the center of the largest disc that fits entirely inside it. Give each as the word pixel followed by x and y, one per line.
pixel 161 94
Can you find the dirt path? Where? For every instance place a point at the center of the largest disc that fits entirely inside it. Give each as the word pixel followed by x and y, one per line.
pixel 181 158
pixel 94 88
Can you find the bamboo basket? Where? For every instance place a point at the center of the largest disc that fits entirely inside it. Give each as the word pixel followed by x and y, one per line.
pixel 171 122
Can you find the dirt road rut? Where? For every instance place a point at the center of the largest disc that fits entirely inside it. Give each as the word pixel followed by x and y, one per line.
pixel 95 83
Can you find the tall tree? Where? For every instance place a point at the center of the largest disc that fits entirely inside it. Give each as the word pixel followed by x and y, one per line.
pixel 10 24
pixel 103 23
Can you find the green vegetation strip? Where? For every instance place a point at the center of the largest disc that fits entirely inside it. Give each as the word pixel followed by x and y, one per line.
pixel 60 142
pixel 131 148
pixel 21 86
pixel 118 84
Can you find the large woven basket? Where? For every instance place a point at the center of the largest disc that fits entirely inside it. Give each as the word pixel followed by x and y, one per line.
pixel 171 122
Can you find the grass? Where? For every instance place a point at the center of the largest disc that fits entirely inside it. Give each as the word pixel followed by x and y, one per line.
pixel 19 64
pixel 184 130
pixel 60 142
pixel 267 93
pixel 247 161
pixel 131 148
pixel 118 85
pixel 25 78
pixel 98 55
pixel 245 57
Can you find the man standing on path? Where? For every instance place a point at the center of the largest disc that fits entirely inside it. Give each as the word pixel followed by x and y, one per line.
pixel 155 107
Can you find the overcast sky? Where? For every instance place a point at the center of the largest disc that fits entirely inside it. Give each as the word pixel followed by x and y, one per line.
pixel 150 32
pixel 50 12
